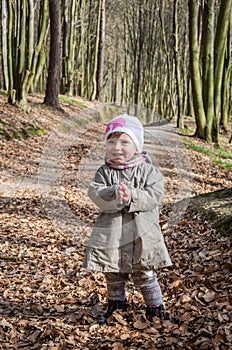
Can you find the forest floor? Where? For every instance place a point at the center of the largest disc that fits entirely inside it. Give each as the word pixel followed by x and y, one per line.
pixel 48 301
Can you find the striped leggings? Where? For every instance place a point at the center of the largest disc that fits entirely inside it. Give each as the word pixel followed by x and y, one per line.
pixel 145 281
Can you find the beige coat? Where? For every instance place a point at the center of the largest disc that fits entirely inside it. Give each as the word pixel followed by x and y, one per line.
pixel 127 238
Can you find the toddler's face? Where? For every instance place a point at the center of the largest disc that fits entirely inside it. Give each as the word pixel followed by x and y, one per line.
pixel 120 148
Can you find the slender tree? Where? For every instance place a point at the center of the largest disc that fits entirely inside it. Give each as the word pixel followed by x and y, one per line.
pixel 180 121
pixel 37 56
pixel 222 30
pixel 100 66
pixel 52 90
pixel 4 67
pixel 23 48
pixel 208 66
pixel 96 52
pixel 226 88
pixel 136 52
pixel 69 43
pixel 10 49
pixel 195 69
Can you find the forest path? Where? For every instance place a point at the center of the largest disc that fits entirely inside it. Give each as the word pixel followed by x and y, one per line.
pixel 49 301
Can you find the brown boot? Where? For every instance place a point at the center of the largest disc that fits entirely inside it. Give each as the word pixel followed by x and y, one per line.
pixel 158 311
pixel 112 306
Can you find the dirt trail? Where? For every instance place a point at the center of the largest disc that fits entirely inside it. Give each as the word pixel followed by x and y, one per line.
pixel 49 302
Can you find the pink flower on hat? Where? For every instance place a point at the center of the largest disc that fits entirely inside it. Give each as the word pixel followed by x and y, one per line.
pixel 114 124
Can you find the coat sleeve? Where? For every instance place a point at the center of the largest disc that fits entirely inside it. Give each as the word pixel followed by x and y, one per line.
pixel 151 195
pixel 104 195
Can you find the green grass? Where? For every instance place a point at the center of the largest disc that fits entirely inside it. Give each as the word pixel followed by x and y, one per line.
pixel 228 165
pixel 37 132
pixel 217 155
pixel 201 149
pixel 187 130
pixel 71 101
pixel 223 153
pixel 65 99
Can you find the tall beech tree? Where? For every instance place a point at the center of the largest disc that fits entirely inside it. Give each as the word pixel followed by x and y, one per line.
pixel 4 79
pixel 53 80
pixel 22 51
pixel 207 48
pixel 195 69
pixel 180 119
pixel 220 66
pixel 101 50
pixel 135 52
pixel 209 69
pixel 69 43
pixel 226 96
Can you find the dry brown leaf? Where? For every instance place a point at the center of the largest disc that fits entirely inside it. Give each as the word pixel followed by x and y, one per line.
pixel 175 284
pixel 59 308
pixel 117 346
pixel 186 298
pixel 45 268
pixel 124 336
pixel 209 296
pixel 119 318
pixel 141 325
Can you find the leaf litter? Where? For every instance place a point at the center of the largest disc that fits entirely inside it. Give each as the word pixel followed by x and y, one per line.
pixel 48 301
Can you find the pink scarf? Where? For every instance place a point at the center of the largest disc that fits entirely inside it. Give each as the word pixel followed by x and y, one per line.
pixel 140 159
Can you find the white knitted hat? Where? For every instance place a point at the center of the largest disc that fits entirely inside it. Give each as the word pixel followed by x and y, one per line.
pixel 130 125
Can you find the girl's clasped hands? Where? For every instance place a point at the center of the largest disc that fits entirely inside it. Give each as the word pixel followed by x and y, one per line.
pixel 124 193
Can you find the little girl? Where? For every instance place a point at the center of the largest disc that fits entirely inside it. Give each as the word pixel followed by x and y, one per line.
pixel 126 239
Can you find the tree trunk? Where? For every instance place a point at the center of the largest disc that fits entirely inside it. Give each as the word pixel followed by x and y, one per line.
pixel 5 83
pixel 208 66
pixel 30 33
pixel 180 121
pixel 195 70
pixel 95 53
pixel 168 94
pixel 220 47
pixel 37 62
pixel 82 51
pixel 39 69
pixel 90 45
pixel 65 19
pixel 73 36
pixel 100 67
pixel 10 43
pixel 71 50
pixel 21 71
pixel 52 90
pixel 226 82
pixel 22 52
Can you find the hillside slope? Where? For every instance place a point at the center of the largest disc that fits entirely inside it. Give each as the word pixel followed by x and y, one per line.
pixel 48 301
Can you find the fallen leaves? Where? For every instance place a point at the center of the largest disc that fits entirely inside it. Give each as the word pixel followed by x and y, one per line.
pixel 141 324
pixel 49 302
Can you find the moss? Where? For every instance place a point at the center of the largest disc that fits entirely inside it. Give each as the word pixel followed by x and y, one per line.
pixel 216 207
pixel 37 131
pixel 4 134
pixel 10 132
pixel 227 192
pixel 71 101
pixel 224 225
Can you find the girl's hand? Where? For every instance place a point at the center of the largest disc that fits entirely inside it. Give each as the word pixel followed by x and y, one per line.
pixel 124 194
